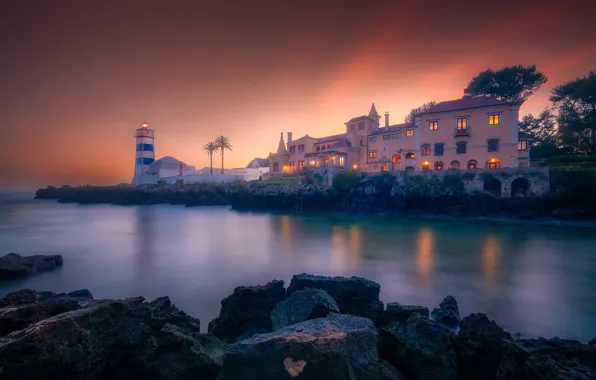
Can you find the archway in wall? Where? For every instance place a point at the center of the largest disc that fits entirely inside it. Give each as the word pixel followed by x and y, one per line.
pixel 410 156
pixel 520 188
pixel 493 186
pixel 472 164
pixel 493 163
pixel 395 158
pixel 454 165
pixel 439 166
pixel 426 165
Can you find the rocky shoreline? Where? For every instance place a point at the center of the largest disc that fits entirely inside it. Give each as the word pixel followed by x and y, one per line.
pixel 317 328
pixel 13 265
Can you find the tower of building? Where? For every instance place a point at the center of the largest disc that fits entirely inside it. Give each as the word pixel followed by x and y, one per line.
pixel 145 151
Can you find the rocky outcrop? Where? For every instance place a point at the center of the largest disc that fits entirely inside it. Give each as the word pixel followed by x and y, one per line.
pixel 447 313
pixel 14 265
pixel 421 349
pixel 355 295
pixel 301 306
pixel 480 343
pixel 247 311
pixel 339 347
pixel 396 312
pixel 75 337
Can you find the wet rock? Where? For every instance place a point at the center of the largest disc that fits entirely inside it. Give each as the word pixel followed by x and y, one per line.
pixel 301 306
pixel 480 344
pixel 388 372
pixel 547 359
pixel 82 293
pixel 247 311
pixel 355 295
pixel 14 265
pixel 422 349
pixel 336 347
pixel 397 312
pixel 447 313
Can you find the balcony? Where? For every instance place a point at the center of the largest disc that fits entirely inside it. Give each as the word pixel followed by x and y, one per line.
pixel 461 132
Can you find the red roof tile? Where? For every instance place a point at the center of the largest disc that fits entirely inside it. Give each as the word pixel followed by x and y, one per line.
pixel 464 103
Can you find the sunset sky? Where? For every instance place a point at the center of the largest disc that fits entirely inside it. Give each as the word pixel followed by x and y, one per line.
pixel 77 77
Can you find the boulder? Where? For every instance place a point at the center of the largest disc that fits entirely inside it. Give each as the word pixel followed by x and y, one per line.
pixel 397 312
pixel 247 311
pixel 301 306
pixel 480 343
pixel 422 349
pixel 355 295
pixel 14 265
pixel 547 359
pixel 338 347
pixel 447 313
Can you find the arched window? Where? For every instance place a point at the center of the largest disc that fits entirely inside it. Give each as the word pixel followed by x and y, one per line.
pixel 439 166
pixel 426 150
pixel 472 164
pixel 383 168
pixel 454 165
pixel 395 158
pixel 410 156
pixel 426 165
pixel 493 163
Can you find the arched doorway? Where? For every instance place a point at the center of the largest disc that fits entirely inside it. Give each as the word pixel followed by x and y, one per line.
pixel 395 158
pixel 439 166
pixel 493 163
pixel 493 186
pixel 454 165
pixel 472 164
pixel 426 165
pixel 520 188
pixel 410 156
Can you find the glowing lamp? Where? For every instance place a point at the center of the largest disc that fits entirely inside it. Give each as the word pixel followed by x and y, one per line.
pixel 493 160
pixel 312 162
pixel 355 166
pixel 145 125
pixel 426 163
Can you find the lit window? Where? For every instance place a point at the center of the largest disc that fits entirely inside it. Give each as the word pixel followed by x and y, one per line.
pixel 300 165
pixel 433 125
pixel 410 156
pixel 439 166
pixel 472 164
pixel 426 150
pixel 372 154
pixel 341 161
pixel 493 119
pixel 493 145
pixel 462 123
pixel 426 165
pixel 461 148
pixel 409 132
pixel 439 149
pixel 522 145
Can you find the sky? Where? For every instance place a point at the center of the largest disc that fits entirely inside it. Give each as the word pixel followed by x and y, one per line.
pixel 77 77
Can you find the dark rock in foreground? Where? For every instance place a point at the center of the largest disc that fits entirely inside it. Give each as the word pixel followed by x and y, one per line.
pixel 447 313
pixel 247 311
pixel 301 306
pixel 481 343
pixel 397 312
pixel 14 265
pixel 337 347
pixel 421 349
pixel 355 295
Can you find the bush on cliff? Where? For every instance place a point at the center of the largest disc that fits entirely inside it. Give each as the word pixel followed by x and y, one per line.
pixel 344 181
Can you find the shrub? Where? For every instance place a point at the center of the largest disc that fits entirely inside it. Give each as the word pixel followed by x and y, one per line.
pixel 453 182
pixel 384 181
pixel 565 159
pixel 468 176
pixel 344 181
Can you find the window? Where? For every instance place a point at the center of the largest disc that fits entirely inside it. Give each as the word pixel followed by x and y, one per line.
pixel 383 168
pixel 462 123
pixel 361 126
pixel 392 136
pixel 439 149
pixel 300 148
pixel 395 158
pixel 373 138
pixel 351 128
pixel 341 161
pixel 426 165
pixel 472 164
pixel 493 119
pixel 372 154
pixel 410 156
pixel 439 166
pixel 292 166
pixel 300 165
pixel 493 145
pixel 426 150
pixel 276 167
pixel 409 132
pixel 522 145
pixel 433 125
pixel 318 148
pixel 328 146
pixel 293 149
pixel 454 165
pixel 461 147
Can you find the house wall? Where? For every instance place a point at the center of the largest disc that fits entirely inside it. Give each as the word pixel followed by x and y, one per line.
pixel 297 156
pixel 387 148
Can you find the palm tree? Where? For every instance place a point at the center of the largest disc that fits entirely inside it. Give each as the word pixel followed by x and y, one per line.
pixel 223 143
pixel 210 148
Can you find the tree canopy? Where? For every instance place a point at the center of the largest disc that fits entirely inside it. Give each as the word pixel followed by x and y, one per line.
pixel 541 129
pixel 510 83
pixel 418 110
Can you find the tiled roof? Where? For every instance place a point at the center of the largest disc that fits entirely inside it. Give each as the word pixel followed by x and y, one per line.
pixel 263 162
pixel 358 118
pixel 331 138
pixel 464 103
pixel 341 144
pixel 394 128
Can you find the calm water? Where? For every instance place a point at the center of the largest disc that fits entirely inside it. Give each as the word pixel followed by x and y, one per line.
pixel 531 280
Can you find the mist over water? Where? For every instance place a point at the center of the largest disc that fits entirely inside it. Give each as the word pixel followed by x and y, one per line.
pixel 530 280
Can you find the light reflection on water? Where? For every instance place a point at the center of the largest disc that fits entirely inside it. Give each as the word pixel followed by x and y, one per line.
pixel 533 280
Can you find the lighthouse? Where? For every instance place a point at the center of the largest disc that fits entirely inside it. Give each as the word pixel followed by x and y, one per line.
pixel 145 152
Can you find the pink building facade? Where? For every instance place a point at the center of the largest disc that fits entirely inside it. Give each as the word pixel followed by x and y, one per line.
pixel 469 133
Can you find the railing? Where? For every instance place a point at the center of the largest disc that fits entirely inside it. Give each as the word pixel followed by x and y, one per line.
pixel 461 131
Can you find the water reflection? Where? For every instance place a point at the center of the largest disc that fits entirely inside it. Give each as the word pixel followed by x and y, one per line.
pixel 145 233
pixel 286 231
pixel 491 258
pixel 355 244
pixel 425 256
pixel 338 249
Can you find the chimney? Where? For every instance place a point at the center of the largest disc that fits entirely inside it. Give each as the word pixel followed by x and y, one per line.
pixel 386 119
pixel 289 137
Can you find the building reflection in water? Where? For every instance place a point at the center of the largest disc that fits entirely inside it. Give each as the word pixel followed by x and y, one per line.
pixel 286 225
pixel 425 256
pixel 145 232
pixel 338 249
pixel 355 244
pixel 491 258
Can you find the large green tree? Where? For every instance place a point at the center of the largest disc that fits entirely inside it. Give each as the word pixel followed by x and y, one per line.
pixel 223 143
pixel 542 129
pixel 210 148
pixel 576 103
pixel 418 110
pixel 510 83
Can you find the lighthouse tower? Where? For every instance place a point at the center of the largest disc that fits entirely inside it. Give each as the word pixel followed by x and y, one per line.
pixel 145 153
